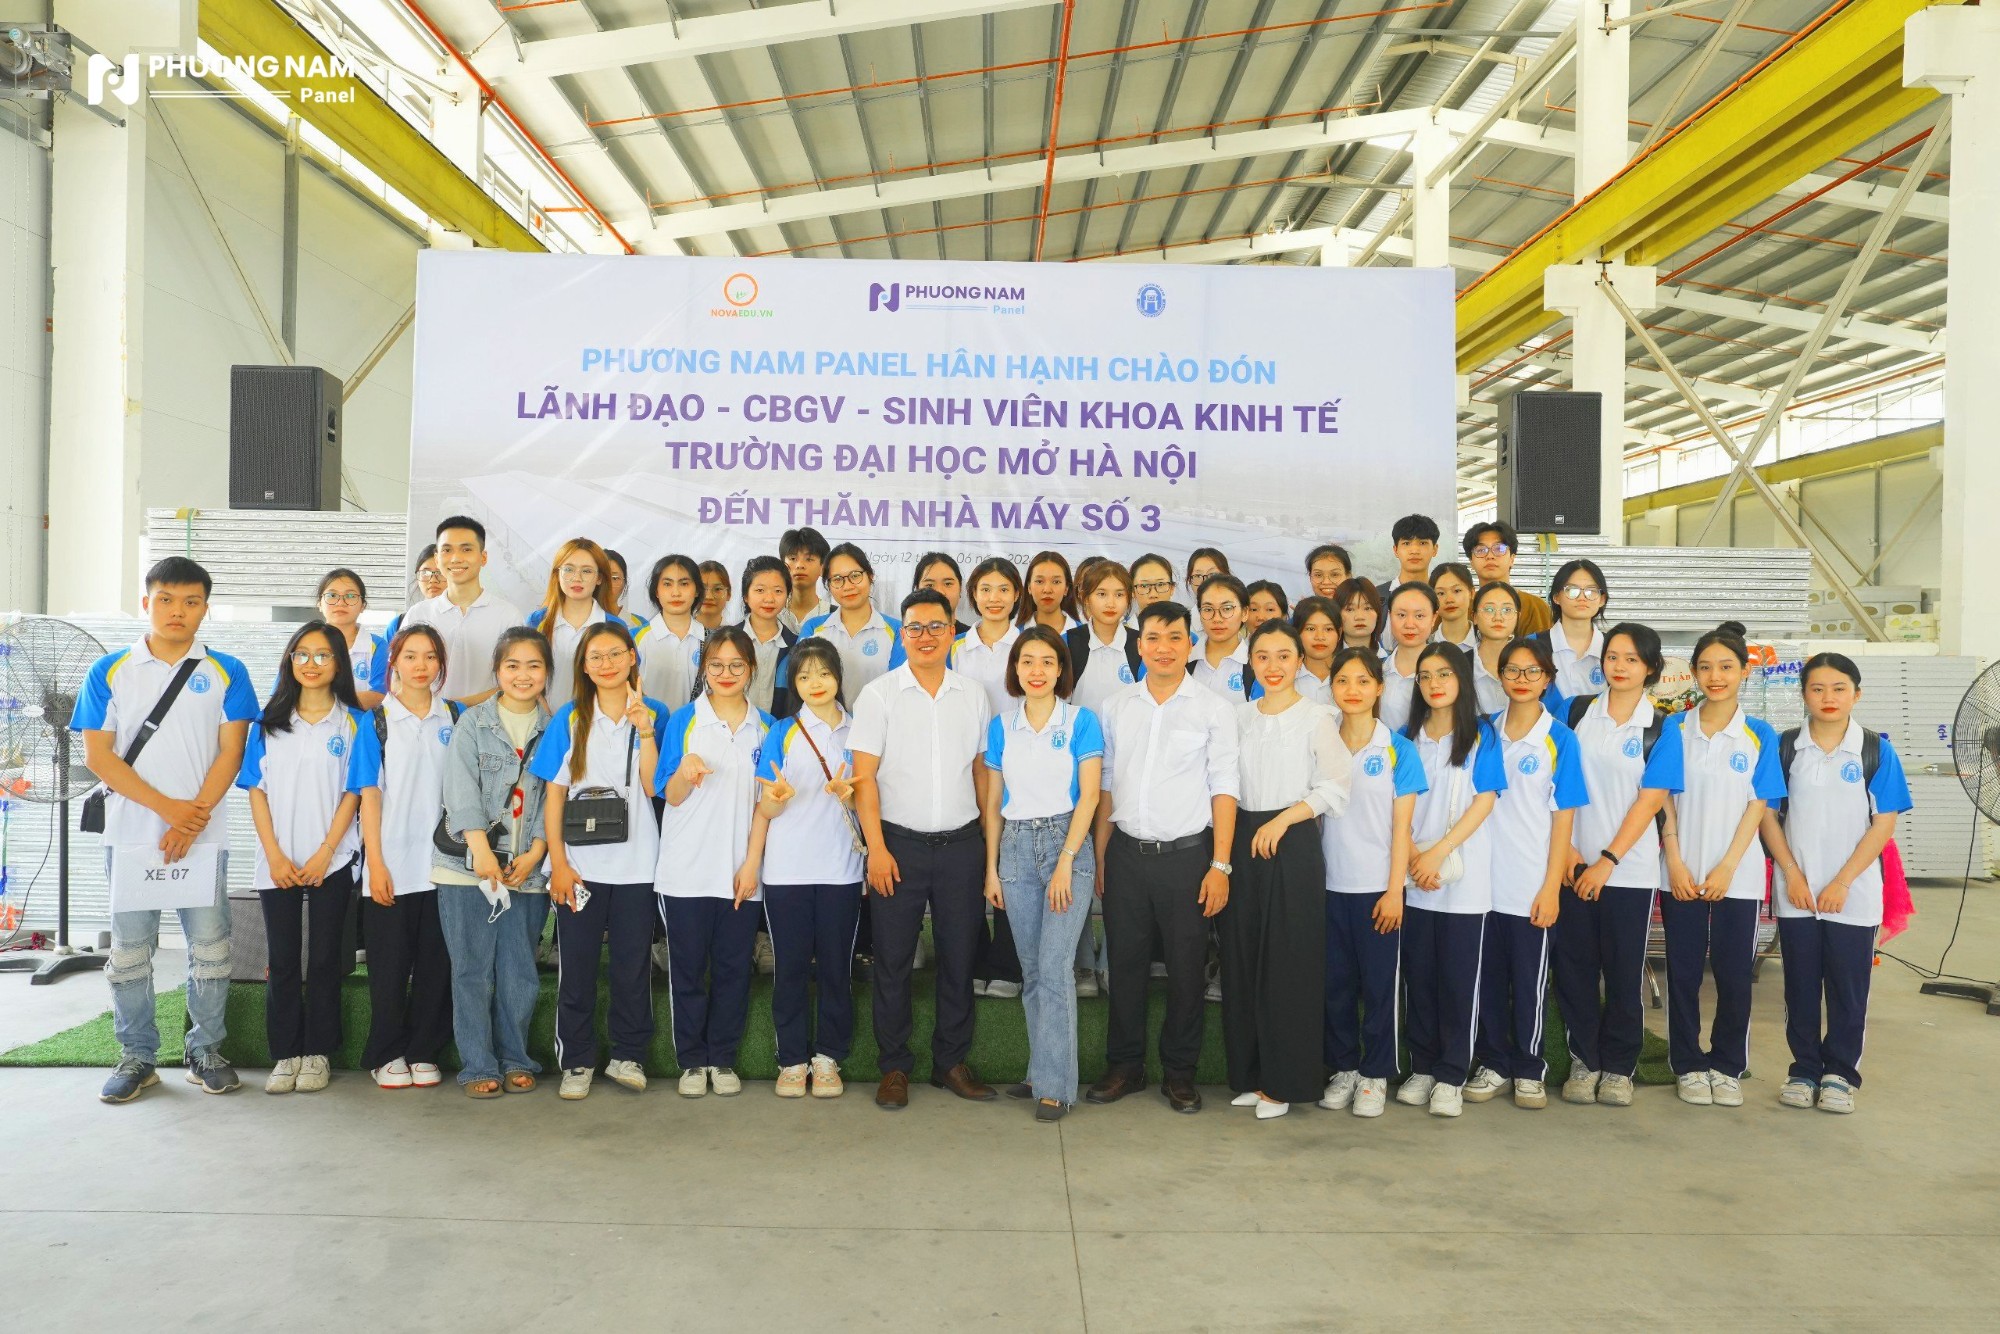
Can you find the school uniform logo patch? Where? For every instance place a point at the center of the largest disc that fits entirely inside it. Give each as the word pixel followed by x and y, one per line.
pixel 200 684
pixel 870 649
pixel 1058 739
pixel 1740 762
pixel 1530 764
pixel 1125 676
pixel 1236 680
pixel 1850 772
pixel 1632 747
pixel 1373 766
pixel 336 746
pixel 444 735
pixel 1597 676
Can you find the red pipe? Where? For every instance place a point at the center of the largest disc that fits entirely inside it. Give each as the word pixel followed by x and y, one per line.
pixel 1055 129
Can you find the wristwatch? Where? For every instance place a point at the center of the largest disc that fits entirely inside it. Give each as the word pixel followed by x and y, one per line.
pixel 1223 867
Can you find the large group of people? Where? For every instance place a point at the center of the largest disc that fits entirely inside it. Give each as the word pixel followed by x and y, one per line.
pixel 1379 819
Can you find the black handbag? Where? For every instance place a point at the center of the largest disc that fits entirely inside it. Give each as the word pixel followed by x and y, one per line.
pixel 451 845
pixel 598 815
pixel 91 819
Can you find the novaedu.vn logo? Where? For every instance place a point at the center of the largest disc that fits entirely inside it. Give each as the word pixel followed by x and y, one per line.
pixel 739 293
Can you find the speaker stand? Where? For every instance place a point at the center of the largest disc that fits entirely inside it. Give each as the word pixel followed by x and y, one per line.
pixel 1988 996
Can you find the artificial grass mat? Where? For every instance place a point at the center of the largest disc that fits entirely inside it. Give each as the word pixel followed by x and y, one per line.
pixel 999 1045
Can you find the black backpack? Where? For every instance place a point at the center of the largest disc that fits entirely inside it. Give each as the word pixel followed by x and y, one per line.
pixel 1871 761
pixel 1581 705
pixel 381 717
pixel 1077 641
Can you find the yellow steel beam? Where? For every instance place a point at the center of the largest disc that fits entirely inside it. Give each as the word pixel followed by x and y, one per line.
pixel 1877 453
pixel 365 126
pixel 1831 89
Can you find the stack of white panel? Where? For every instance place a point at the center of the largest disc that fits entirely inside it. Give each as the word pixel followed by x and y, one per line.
pixel 1914 701
pixel 1685 591
pixel 274 558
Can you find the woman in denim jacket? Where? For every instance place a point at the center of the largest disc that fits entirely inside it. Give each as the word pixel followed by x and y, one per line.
pixel 493 902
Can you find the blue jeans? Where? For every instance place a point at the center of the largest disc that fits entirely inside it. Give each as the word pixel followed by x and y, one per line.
pixel 135 936
pixel 493 982
pixel 1029 853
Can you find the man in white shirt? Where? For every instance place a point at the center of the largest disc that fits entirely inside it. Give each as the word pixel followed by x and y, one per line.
pixel 918 780
pixel 165 804
pixel 469 617
pixel 1169 808
pixel 804 552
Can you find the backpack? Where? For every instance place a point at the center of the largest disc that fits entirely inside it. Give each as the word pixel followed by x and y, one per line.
pixel 1077 641
pixel 1581 705
pixel 381 717
pixel 1871 760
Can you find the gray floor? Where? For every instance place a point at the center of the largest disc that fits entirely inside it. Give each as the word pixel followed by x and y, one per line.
pixel 424 1210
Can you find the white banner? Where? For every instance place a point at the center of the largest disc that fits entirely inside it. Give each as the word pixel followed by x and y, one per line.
pixel 703 406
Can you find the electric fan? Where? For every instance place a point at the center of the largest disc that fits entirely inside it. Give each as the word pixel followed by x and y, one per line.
pixel 42 665
pixel 1975 750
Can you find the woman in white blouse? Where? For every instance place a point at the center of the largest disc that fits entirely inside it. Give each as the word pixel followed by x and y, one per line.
pixel 1273 929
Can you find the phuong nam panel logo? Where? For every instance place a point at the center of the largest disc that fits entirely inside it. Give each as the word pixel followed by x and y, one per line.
pixel 301 80
pixel 101 76
pixel 885 297
pixel 739 294
pixel 1151 301
pixel 890 298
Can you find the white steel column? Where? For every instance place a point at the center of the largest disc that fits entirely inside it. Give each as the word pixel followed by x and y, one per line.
pixel 1430 205
pixel 98 253
pixel 1597 333
pixel 1957 51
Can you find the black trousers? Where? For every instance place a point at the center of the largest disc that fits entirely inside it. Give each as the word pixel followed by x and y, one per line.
pixel 1600 971
pixel 626 915
pixel 305 1023
pixel 1274 963
pixel 1148 898
pixel 409 981
pixel 950 880
pixel 1832 960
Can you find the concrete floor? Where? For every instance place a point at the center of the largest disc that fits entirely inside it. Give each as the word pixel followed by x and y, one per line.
pixel 426 1211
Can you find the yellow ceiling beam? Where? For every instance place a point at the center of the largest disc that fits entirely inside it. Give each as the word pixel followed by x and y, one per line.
pixel 1832 89
pixel 365 126
pixel 1880 452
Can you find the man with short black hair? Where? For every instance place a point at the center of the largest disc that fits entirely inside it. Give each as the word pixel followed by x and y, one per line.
pixel 1490 548
pixel 804 552
pixel 1415 539
pixel 468 617
pixel 919 786
pixel 1164 828
pixel 164 808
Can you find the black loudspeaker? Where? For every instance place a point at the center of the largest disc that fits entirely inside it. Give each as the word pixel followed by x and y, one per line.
pixel 284 438
pixel 1549 459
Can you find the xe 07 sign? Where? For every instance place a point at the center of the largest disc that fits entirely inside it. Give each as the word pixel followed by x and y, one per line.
pixel 703 406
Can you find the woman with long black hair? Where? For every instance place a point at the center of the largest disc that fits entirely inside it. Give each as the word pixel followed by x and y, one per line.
pixel 1576 641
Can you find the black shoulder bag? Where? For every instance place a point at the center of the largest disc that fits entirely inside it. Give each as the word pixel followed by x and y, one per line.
pixel 597 815
pixel 91 820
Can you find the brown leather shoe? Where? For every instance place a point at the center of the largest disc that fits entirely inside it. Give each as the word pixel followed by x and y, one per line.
pixel 893 1093
pixel 960 1080
pixel 1181 1094
pixel 1115 1085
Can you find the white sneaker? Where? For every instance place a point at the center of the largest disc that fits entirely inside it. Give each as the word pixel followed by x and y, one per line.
pixel 791 1082
pixel 921 957
pixel 1416 1090
pixel 626 1074
pixel 1245 1100
pixel 1268 1110
pixel 394 1075
pixel 694 1082
pixel 723 1080
pixel 1530 1093
pixel 980 986
pixel 1214 992
pixel 1615 1090
pixel 1339 1093
pixel 826 1081
pixel 1003 990
pixel 284 1076
pixel 1797 1093
pixel 1836 1095
pixel 1086 983
pixel 765 955
pixel 425 1075
pixel 1581 1086
pixel 313 1073
pixel 1725 1089
pixel 576 1083
pixel 1447 1100
pixel 1484 1085
pixel 1694 1089
pixel 1158 972
pixel 1370 1096
pixel 662 960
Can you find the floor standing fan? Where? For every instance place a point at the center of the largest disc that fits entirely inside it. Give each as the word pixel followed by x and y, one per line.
pixel 1975 748
pixel 42 665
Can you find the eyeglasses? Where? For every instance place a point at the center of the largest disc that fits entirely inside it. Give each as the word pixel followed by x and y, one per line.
pixel 1436 678
pixel 1530 673
pixel 1581 592
pixel 1221 608
pixel 925 630
pixel 1152 586
pixel 847 580
pixel 577 571
pixel 339 599
pixel 1497 609
pixel 1491 549
pixel 734 667
pixel 608 658
pixel 320 659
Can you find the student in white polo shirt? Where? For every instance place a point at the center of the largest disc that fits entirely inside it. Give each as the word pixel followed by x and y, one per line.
pixel 707 773
pixel 602 747
pixel 1452 583
pixel 467 616
pixel 1533 825
pixel 869 642
pixel 1103 651
pixel 1163 831
pixel 1362 620
pixel 1444 918
pixel 1050 594
pixel 1222 658
pixel 1044 763
pixel 1579 595
pixel 1844 789
pixel 1367 849
pixel 167 799
pixel 917 739
pixel 671 641
pixel 804 850
pixel 618 576
pixel 1715 870
pixel 1318 624
pixel 1411 616
pixel 982 652
pixel 1152 581
pixel 1607 903
pixel 764 584
pixel 578 597
pixel 307 762
pixel 342 599
pixel 1495 613
pixel 409 965
pixel 804 552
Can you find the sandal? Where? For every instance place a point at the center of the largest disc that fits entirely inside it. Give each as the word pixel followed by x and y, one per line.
pixel 520 1081
pixel 483 1088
